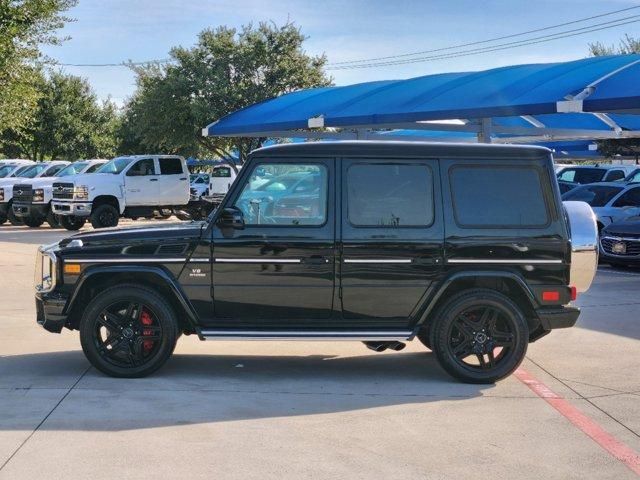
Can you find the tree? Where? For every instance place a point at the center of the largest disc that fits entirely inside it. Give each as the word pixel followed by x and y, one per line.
pixel 24 26
pixel 623 146
pixel 227 70
pixel 69 123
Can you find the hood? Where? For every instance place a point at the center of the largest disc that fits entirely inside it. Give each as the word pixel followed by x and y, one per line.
pixel 141 237
pixel 85 178
pixel 628 226
pixel 40 182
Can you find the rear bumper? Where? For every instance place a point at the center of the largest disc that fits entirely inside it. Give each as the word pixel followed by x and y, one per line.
pixel 558 317
pixel 77 209
pixel 49 311
pixel 32 210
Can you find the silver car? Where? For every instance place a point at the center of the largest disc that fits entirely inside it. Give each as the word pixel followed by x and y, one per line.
pixel 610 201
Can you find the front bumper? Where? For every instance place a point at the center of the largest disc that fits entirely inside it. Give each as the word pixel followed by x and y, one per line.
pixel 30 210
pixel 50 311
pixel 77 209
pixel 558 317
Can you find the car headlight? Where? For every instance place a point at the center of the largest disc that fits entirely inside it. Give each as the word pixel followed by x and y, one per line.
pixel 81 193
pixel 38 195
pixel 1 194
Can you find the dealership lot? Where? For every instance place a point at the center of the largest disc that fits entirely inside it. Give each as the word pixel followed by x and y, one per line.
pixel 315 409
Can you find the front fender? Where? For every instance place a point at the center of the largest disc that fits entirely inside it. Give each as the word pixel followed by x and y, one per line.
pixel 158 273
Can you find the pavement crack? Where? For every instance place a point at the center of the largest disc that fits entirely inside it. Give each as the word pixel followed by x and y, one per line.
pixel 44 419
pixel 586 399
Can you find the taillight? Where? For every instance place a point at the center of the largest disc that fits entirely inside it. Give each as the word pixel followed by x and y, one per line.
pixel 574 293
pixel 551 296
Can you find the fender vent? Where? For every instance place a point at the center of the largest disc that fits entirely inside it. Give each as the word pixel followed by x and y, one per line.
pixel 172 249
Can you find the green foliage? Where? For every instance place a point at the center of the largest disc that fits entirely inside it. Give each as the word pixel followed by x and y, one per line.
pixel 69 123
pixel 625 146
pixel 227 70
pixel 24 26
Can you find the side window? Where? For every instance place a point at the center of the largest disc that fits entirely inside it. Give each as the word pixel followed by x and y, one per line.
pixel 497 196
pixel 629 199
pixel 170 166
pixel 614 175
pixel 53 170
pixel 93 168
pixel 142 168
pixel 390 195
pixel 288 194
pixel 567 175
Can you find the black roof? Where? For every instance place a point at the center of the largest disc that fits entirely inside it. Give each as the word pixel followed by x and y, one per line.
pixel 364 148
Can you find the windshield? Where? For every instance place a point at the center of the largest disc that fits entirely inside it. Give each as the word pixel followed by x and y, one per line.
pixel 6 170
pixel 32 171
pixel 72 169
pixel 594 195
pixel 115 166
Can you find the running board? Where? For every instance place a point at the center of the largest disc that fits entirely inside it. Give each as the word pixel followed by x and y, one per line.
pixel 353 335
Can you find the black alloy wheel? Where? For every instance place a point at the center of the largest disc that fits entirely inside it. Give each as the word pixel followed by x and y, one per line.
pixel 3 219
pixel 128 331
pixel 71 223
pixel 53 220
pixel 480 336
pixel 13 220
pixel 33 222
pixel 105 216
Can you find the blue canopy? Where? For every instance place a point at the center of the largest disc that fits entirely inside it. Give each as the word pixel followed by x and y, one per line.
pixel 517 100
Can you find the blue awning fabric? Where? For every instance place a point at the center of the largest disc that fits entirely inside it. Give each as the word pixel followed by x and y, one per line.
pixel 556 94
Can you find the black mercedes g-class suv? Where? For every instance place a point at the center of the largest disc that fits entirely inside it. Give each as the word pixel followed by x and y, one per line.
pixel 466 248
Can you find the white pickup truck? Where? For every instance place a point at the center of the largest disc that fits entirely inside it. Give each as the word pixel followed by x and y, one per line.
pixel 131 187
pixel 35 170
pixel 33 204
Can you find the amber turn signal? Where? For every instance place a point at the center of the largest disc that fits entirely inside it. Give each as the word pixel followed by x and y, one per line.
pixel 72 268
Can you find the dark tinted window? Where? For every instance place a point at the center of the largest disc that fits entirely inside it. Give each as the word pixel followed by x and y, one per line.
pixel 582 175
pixel 613 175
pixel 390 195
pixel 170 166
pixel 142 168
pixel 93 168
pixel 497 196
pixel 51 172
pixel 594 195
pixel 224 172
pixel 565 187
pixel 631 198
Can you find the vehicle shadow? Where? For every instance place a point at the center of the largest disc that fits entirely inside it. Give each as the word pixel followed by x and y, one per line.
pixel 194 389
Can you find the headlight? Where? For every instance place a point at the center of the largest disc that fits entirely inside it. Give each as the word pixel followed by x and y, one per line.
pixel 81 193
pixel 46 269
pixel 1 194
pixel 38 195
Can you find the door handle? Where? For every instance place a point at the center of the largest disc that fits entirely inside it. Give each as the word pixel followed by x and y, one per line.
pixel 153 179
pixel 183 178
pixel 316 260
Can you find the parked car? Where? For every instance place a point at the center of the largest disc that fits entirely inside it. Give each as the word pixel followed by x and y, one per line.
pixel 199 185
pixel 566 186
pixel 584 174
pixel 35 170
pixel 32 200
pixel 620 243
pixel 633 177
pixel 400 241
pixel 131 187
pixel 610 201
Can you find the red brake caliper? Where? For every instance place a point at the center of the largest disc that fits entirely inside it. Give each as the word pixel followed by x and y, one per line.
pixel 146 319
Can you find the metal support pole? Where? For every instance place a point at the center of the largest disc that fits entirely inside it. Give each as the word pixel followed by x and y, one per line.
pixel 484 135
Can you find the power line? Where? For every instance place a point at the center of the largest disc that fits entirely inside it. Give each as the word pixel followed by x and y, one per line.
pixel 493 48
pixel 480 42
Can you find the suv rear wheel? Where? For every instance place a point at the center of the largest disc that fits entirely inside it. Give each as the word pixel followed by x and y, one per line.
pixel 480 336
pixel 105 216
pixel 128 331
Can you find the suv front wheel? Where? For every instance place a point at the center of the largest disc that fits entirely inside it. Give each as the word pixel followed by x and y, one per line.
pixel 128 331
pixel 480 336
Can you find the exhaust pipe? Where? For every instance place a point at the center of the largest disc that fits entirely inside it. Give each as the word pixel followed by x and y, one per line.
pixel 382 346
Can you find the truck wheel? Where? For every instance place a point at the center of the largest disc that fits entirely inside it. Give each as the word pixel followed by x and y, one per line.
pixel 425 339
pixel 33 222
pixel 480 336
pixel 128 331
pixel 3 219
pixel 105 216
pixel 53 220
pixel 71 222
pixel 13 220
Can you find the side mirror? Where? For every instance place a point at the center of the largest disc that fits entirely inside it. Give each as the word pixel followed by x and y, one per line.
pixel 231 217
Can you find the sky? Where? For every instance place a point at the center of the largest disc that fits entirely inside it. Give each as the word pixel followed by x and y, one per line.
pixel 112 31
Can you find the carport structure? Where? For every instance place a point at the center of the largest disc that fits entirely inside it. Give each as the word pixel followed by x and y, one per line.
pixel 592 98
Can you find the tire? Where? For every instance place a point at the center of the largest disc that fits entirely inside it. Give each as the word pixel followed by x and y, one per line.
pixel 483 324
pixel 13 220
pixel 53 220
pixel 71 222
pixel 126 344
pixel 425 340
pixel 33 222
pixel 105 216
pixel 3 219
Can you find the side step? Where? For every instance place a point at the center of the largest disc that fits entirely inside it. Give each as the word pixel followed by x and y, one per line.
pixel 306 335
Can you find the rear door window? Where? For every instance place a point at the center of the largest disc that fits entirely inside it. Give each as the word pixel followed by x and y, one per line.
pixel 390 195
pixel 170 166
pixel 497 196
